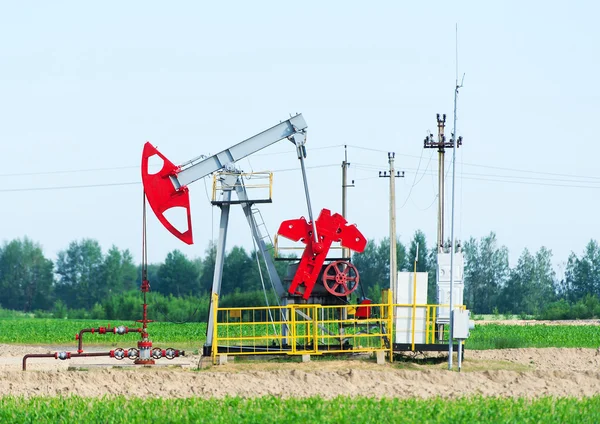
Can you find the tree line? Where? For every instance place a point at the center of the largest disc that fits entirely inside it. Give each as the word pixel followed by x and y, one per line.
pixel 85 278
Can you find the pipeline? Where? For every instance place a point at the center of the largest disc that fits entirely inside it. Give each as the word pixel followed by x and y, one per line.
pixel 103 330
pixel 118 354
pixel 145 354
pixel 61 355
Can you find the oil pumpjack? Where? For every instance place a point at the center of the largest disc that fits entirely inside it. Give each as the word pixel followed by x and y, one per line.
pixel 315 278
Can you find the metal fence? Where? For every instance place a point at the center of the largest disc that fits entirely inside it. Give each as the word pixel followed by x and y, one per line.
pixel 315 329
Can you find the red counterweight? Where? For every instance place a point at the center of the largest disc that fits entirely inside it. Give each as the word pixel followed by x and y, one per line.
pixel 162 195
pixel 330 228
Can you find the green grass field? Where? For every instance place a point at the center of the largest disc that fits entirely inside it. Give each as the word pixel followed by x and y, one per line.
pixel 317 410
pixel 294 410
pixel 62 332
pixel 490 336
pixel 497 336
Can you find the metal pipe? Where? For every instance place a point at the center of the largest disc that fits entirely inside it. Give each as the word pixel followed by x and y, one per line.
pixel 453 241
pixel 79 338
pixel 118 354
pixel 62 356
pixel 103 330
pixel 414 296
pixel 301 153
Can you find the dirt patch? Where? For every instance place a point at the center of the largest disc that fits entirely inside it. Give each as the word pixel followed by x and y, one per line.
pixel 509 372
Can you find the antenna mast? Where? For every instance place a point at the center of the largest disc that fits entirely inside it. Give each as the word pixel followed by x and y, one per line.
pixel 455 142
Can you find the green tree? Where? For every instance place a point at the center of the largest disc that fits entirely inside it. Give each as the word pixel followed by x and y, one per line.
pixel 280 267
pixel 237 272
pixel 432 295
pixel 582 275
pixel 118 271
pixel 427 262
pixel 544 283
pixel 530 285
pixel 80 274
pixel 373 263
pixel 486 272
pixel 152 276
pixel 208 268
pixel 26 276
pixel 423 259
pixel 178 276
pixel 128 271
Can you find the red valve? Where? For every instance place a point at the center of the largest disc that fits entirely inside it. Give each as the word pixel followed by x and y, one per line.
pixel 340 278
pixel 162 195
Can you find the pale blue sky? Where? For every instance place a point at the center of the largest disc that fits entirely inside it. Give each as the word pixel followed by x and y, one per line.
pixel 84 85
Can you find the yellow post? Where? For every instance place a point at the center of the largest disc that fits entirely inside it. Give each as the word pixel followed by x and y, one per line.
pixel 427 324
pixel 214 187
pixel 315 330
pixel 433 324
pixel 270 185
pixel 215 347
pixel 387 298
pixel 293 330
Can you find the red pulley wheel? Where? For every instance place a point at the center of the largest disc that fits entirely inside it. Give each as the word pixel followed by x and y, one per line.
pixel 340 278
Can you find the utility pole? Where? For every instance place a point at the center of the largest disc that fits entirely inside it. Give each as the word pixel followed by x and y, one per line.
pixel 345 166
pixel 393 174
pixel 441 144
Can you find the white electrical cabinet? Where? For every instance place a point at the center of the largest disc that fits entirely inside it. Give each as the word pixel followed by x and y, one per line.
pixel 461 324
pixel 443 285
pixel 403 314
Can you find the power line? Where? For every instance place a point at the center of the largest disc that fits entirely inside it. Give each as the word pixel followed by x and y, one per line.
pixel 532 172
pixel 414 180
pixel 128 183
pixel 308 167
pixel 531 183
pixel 368 167
pixel 287 152
pixel 474 174
pixel 528 171
pixel 69 171
pixel 428 207
pixel 67 187
pixel 511 179
pixel 115 168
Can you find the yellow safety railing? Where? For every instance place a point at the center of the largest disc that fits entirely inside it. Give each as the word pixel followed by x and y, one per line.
pixel 260 177
pixel 316 329
pixel 215 302
pixel 300 329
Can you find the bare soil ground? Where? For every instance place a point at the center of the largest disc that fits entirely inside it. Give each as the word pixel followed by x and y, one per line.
pixel 509 372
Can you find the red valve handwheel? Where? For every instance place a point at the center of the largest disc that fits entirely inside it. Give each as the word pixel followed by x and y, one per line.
pixel 340 278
